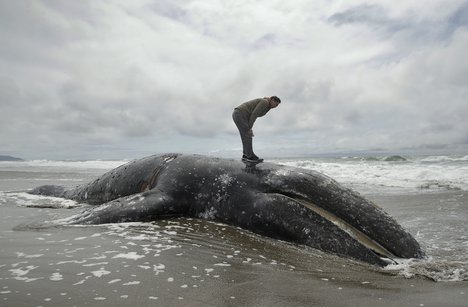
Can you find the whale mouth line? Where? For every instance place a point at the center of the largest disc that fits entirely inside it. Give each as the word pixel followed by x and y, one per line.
pixel 352 231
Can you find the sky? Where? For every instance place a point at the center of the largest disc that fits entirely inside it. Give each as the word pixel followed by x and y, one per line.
pixel 124 79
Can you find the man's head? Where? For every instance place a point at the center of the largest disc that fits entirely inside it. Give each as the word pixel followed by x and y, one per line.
pixel 274 101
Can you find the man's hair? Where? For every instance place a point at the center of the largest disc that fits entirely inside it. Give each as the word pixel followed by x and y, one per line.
pixel 275 98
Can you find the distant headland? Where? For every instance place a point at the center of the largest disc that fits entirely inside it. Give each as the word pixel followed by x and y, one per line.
pixel 9 158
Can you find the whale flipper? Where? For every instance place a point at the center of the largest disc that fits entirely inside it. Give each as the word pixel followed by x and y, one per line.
pixel 141 207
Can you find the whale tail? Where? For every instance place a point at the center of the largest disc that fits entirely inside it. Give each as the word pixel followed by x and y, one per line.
pixel 49 190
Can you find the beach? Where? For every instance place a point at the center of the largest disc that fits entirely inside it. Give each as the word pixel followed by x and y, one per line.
pixel 191 262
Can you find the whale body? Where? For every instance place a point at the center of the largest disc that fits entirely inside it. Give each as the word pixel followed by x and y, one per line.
pixel 281 202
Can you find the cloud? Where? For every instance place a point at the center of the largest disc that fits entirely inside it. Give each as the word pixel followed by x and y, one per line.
pixel 113 78
pixel 374 15
pixel 409 25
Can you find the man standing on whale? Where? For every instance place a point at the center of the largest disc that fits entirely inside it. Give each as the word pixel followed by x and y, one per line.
pixel 244 117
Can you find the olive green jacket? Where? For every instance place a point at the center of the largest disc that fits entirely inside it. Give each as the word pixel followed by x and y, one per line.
pixel 254 108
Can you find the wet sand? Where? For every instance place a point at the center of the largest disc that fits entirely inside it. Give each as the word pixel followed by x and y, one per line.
pixel 187 262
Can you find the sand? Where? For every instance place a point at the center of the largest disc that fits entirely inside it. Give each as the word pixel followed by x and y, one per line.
pixel 194 263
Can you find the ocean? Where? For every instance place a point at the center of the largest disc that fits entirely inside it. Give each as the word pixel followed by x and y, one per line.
pixel 193 262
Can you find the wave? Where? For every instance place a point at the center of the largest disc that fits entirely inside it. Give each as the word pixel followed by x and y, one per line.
pixel 435 270
pixel 409 158
pixel 392 174
pixel 394 158
pixel 24 199
pixel 90 164
pixel 438 159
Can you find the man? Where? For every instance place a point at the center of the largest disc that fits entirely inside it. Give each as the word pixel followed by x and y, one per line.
pixel 244 117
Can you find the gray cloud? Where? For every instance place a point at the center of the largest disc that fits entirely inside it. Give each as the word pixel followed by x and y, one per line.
pixel 459 18
pixel 112 78
pixel 169 9
pixel 410 26
pixel 374 15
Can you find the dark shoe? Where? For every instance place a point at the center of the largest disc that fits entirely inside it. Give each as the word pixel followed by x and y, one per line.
pixel 254 156
pixel 254 159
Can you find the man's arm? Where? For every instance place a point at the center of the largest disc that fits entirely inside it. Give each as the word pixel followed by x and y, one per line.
pixel 261 109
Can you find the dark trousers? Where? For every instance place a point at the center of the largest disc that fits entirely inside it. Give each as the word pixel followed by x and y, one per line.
pixel 242 124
